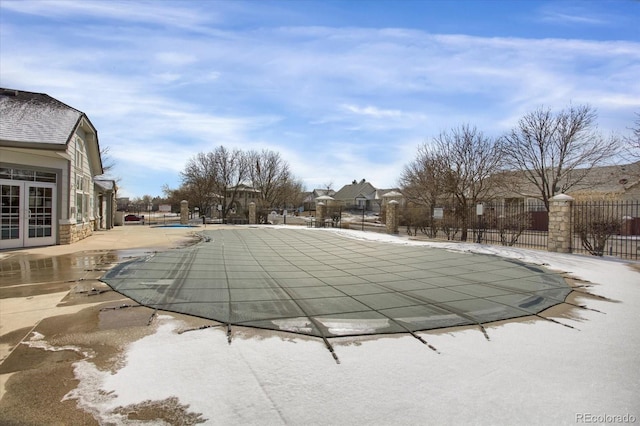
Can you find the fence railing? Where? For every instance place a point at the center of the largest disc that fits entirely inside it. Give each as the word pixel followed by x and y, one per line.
pixel 606 228
pixel 598 228
pixel 509 224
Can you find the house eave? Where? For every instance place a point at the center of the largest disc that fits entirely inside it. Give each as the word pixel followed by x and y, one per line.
pixel 33 145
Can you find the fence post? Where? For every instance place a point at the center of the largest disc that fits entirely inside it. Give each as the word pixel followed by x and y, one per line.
pixel 184 212
pixel 392 217
pixel 560 214
pixel 252 214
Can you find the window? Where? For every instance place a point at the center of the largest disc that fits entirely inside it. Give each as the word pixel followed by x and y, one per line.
pixel 28 175
pixel 535 205
pixel 82 184
pixel 79 153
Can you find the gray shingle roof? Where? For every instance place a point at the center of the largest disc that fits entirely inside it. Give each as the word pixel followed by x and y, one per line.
pixel 35 118
pixel 356 190
pixel 603 179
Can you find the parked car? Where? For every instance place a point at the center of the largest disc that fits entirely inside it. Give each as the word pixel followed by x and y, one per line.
pixel 133 218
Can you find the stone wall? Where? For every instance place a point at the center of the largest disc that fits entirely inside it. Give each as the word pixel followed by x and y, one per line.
pixel 73 232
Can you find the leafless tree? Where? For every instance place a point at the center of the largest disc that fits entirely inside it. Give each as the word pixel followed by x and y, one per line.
pixel 633 141
pixel 231 170
pixel 213 178
pixel 555 152
pixel 271 176
pixel 423 183
pixel 328 185
pixel 472 162
pixel 460 166
pixel 108 163
pixel 198 180
pixel 423 180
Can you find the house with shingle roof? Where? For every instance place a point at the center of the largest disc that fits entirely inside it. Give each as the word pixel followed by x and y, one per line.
pixel 357 196
pixel 309 199
pixel 49 157
pixel 614 182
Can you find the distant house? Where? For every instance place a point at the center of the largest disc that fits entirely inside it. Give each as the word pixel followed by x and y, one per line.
pixel 309 198
pixel 49 157
pixel 357 196
pixel 239 197
pixel 383 196
pixel 617 182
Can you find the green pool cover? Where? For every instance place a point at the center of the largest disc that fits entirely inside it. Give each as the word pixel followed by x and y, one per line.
pixel 322 284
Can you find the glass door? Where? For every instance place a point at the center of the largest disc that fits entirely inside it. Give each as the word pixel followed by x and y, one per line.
pixel 28 214
pixel 40 215
pixel 10 224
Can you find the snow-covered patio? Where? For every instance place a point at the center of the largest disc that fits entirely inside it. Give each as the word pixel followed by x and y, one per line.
pixel 529 371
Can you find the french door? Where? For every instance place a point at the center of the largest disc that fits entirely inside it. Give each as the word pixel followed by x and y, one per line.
pixel 28 213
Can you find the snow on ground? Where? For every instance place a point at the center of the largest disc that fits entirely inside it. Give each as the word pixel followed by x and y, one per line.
pixel 534 372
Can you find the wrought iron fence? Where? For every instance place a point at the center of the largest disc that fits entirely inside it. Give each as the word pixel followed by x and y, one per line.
pixel 519 224
pixel 598 228
pixel 607 228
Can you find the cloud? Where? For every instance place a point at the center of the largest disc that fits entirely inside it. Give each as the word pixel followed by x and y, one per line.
pixel 572 14
pixel 372 111
pixel 342 103
pixel 116 10
pixel 175 58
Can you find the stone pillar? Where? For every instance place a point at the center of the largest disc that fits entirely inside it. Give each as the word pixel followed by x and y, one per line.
pixel 253 217
pixel 392 217
pixel 321 213
pixel 560 212
pixel 184 212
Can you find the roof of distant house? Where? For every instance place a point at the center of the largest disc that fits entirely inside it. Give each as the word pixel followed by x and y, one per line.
pixel 356 190
pixel 613 179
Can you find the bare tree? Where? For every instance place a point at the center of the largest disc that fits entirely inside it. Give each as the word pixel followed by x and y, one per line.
pixel 423 184
pixel 175 196
pixel 214 178
pixel 231 170
pixel 472 162
pixel 460 165
pixel 633 141
pixel 423 180
pixel 108 163
pixel 555 152
pixel 198 180
pixel 271 176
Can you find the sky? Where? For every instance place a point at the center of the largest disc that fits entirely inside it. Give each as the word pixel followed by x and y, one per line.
pixel 343 90
pixel 580 369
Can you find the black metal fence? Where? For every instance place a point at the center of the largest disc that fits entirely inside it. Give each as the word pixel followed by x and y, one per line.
pixel 510 224
pixel 598 228
pixel 607 228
